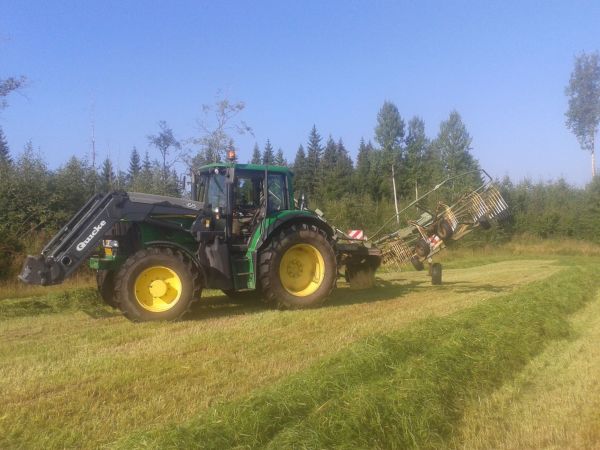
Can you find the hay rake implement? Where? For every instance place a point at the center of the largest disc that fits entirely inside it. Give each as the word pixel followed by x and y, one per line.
pixel 424 237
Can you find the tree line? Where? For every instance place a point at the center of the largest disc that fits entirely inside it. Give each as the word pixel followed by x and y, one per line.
pixel 353 194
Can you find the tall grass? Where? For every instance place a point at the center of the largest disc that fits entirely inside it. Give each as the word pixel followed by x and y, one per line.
pixel 401 390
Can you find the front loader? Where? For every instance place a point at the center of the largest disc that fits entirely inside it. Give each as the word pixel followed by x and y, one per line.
pixel 240 231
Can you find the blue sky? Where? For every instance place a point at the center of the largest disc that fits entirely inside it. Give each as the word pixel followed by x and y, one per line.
pixel 502 65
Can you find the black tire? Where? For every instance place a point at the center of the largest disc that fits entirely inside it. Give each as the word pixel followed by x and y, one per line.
pixel 137 266
pixel 422 248
pixel 444 230
pixel 270 259
pixel 484 223
pixel 436 273
pixel 105 280
pixel 417 263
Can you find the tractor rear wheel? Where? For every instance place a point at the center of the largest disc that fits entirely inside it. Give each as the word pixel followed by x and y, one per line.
pixel 298 269
pixel 157 284
pixel 105 280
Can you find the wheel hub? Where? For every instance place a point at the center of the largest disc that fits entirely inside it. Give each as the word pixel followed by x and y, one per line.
pixel 158 288
pixel 295 268
pixel 302 270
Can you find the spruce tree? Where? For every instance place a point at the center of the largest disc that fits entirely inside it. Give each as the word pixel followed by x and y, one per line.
pixel 280 159
pixel 135 165
pixel 268 156
pixel 389 134
pixel 343 171
pixel 145 178
pixel 453 144
pixel 313 160
pixel 363 167
pixel 329 157
pixel 255 155
pixel 300 174
pixel 107 176
pixel 4 150
pixel 343 160
pixel 415 171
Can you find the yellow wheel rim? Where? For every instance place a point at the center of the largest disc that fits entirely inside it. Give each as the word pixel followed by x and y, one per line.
pixel 157 289
pixel 301 270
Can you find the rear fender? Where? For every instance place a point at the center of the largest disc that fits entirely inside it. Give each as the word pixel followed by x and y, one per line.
pixel 288 220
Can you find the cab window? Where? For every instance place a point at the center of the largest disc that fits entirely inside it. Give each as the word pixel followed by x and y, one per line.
pixel 217 195
pixel 277 197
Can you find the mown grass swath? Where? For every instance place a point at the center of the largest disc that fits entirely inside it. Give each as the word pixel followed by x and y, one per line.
pixel 404 389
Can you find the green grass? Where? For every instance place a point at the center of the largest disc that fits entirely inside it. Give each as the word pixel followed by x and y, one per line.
pixel 553 403
pixel 390 367
pixel 398 390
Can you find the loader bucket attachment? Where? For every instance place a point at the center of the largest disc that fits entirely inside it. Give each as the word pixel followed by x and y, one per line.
pixel 37 271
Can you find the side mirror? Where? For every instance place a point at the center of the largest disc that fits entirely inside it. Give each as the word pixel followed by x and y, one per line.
pixel 193 187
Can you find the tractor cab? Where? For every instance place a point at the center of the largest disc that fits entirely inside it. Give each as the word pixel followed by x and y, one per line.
pixel 241 203
pixel 236 199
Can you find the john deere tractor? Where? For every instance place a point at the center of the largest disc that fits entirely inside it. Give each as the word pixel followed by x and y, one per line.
pixel 241 230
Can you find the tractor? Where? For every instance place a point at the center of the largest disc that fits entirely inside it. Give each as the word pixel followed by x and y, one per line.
pixel 241 231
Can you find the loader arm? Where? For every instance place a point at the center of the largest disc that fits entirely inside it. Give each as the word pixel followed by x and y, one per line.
pixel 79 238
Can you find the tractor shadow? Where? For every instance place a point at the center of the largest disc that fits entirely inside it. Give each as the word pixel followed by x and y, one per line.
pixel 466 288
pixel 216 306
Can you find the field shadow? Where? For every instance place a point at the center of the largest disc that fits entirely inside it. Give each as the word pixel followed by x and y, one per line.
pixel 464 287
pixel 216 306
pixel 221 306
pixel 383 290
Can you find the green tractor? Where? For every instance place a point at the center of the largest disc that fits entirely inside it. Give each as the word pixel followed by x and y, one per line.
pixel 240 231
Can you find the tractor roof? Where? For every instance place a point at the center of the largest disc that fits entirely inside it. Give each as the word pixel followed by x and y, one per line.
pixel 256 167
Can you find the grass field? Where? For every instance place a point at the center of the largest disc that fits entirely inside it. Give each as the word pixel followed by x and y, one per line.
pixel 404 364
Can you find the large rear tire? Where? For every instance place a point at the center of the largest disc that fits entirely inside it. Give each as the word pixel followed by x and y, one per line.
pixel 157 284
pixel 298 268
pixel 105 279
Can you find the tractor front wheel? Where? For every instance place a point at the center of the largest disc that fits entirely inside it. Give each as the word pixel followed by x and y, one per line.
pixel 105 280
pixel 298 269
pixel 157 284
